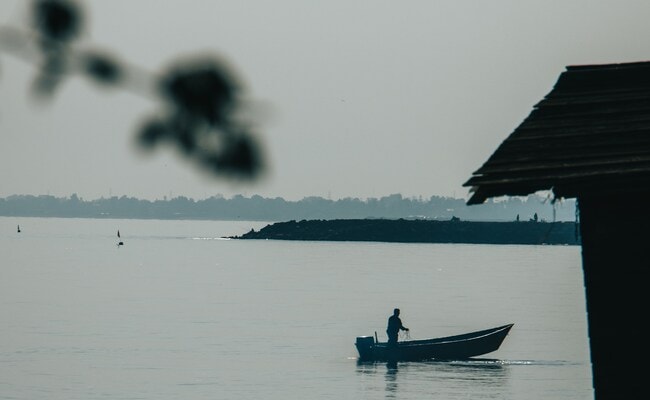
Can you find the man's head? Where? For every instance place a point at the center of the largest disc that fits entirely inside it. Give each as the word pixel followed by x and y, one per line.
pixel 396 312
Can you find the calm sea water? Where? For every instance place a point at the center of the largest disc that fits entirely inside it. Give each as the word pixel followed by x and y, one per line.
pixel 179 313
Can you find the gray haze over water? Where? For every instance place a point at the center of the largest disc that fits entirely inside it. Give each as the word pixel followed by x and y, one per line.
pixel 350 98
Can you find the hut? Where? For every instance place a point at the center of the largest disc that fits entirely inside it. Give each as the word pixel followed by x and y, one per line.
pixel 589 139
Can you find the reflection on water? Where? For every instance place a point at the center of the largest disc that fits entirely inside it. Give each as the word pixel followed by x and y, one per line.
pixel 391 379
pixel 485 376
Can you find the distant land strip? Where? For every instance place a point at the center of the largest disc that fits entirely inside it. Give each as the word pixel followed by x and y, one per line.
pixel 421 231
pixel 257 208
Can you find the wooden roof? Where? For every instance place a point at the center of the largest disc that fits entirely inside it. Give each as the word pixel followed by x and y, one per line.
pixel 590 134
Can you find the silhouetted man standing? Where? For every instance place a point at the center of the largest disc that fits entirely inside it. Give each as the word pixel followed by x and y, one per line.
pixel 394 326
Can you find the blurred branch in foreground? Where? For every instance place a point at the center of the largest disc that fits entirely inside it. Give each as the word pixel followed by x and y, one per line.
pixel 201 100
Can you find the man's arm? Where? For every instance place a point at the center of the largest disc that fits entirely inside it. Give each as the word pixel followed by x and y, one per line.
pixel 402 327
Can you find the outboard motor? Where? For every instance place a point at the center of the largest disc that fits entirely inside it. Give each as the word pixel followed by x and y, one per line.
pixel 365 345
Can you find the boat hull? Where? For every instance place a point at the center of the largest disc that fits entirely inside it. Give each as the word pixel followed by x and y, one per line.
pixel 458 347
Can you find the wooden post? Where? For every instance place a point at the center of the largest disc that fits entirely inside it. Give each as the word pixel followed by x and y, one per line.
pixel 615 233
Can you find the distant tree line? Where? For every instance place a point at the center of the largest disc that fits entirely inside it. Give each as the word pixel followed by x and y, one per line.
pixel 257 208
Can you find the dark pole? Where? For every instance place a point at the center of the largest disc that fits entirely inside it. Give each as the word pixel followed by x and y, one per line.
pixel 615 230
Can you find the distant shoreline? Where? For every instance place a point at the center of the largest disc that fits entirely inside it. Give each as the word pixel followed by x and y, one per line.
pixel 421 231
pixel 256 208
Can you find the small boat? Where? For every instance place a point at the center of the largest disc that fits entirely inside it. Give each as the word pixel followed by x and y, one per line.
pixel 120 243
pixel 18 228
pixel 458 347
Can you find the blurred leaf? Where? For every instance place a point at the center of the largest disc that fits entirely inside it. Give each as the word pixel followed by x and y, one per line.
pixel 57 19
pixel 202 89
pixel 102 68
pixel 240 157
pixel 201 117
pixel 152 133
pixel 50 76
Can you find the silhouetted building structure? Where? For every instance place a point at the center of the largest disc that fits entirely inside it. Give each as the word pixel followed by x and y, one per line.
pixel 589 138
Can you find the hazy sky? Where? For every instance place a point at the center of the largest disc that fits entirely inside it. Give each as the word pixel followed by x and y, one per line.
pixel 359 98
